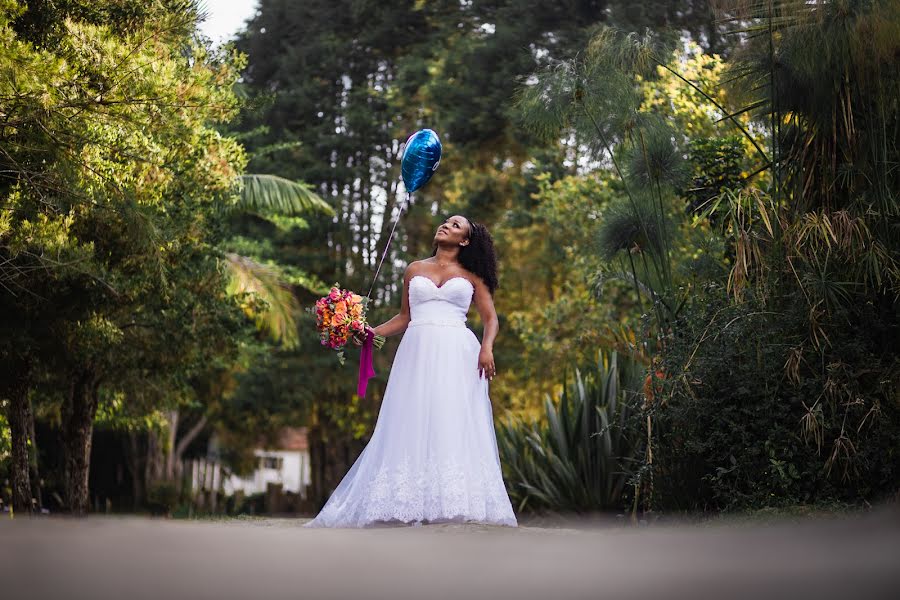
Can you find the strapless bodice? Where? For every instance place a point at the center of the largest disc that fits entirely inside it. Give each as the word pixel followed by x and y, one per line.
pixel 444 305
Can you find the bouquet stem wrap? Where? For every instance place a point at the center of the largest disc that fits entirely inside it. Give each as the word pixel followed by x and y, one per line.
pixel 366 370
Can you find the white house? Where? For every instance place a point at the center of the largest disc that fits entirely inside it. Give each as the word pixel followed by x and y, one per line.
pixel 287 463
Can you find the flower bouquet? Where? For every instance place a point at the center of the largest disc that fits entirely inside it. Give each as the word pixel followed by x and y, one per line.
pixel 340 317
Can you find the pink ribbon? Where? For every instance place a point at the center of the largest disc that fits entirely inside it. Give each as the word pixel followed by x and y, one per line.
pixel 366 370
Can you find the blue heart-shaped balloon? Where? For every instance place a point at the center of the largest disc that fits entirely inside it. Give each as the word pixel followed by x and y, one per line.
pixel 420 159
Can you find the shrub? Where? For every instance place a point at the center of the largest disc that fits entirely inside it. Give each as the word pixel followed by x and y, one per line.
pixel 581 458
pixel 736 430
pixel 162 498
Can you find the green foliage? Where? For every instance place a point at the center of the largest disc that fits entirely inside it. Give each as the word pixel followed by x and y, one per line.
pixel 717 166
pixel 786 390
pixel 736 432
pixel 581 458
pixel 629 226
pixel 273 194
pixel 595 241
pixel 264 284
pixel 688 94
pixel 598 97
pixel 162 497
pixel 655 158
pixel 116 413
pixel 817 248
pixel 260 282
pixel 822 76
pixel 5 440
pixel 552 315
pixel 114 173
pixel 594 94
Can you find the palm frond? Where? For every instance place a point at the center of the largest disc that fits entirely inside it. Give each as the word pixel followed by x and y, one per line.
pixel 276 195
pixel 275 313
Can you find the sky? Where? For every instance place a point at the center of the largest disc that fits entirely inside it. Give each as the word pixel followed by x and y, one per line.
pixel 226 17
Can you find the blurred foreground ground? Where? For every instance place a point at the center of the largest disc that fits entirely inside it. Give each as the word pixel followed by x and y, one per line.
pixel 104 557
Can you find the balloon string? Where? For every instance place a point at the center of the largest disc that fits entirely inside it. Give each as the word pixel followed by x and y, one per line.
pixel 387 245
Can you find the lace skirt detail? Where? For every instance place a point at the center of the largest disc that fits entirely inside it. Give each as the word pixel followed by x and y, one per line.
pixel 436 494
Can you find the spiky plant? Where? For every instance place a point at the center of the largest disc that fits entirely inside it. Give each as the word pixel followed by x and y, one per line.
pixel 581 458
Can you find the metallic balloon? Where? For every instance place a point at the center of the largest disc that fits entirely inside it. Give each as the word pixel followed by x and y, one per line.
pixel 420 159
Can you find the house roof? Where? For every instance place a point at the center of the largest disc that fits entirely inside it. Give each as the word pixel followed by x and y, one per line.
pixel 292 438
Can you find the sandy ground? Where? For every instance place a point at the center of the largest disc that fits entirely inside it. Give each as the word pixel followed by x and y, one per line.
pixel 135 558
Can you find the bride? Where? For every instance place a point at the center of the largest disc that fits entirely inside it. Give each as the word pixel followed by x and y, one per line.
pixel 433 454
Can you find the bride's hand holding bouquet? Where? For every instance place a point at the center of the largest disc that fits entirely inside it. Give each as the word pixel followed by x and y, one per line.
pixel 359 338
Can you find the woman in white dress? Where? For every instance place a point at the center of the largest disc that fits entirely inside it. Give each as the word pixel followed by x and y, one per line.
pixel 433 454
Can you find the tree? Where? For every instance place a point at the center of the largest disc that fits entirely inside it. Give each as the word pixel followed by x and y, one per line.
pixel 112 174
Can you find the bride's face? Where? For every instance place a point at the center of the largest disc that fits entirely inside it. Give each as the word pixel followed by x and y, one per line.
pixel 454 230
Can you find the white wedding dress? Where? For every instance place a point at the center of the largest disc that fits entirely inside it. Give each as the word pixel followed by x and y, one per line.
pixel 433 454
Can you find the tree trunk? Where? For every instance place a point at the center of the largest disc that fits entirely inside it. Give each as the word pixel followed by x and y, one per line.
pixel 78 414
pixel 179 449
pixel 19 427
pixel 153 465
pixel 170 449
pixel 135 461
pixel 35 473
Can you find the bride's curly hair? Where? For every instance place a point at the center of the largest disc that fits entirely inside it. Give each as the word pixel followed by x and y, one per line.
pixel 478 256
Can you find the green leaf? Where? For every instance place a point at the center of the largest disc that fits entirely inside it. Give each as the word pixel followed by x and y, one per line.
pixel 277 195
pixel 265 282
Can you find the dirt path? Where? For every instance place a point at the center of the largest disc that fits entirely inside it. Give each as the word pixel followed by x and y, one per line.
pixel 137 558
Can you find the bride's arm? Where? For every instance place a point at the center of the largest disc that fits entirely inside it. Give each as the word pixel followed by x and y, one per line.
pixel 397 324
pixel 484 302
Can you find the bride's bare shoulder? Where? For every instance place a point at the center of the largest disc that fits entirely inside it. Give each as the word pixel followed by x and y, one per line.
pixel 415 267
pixel 473 278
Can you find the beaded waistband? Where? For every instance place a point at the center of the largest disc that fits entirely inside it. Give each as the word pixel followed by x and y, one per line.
pixel 439 322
